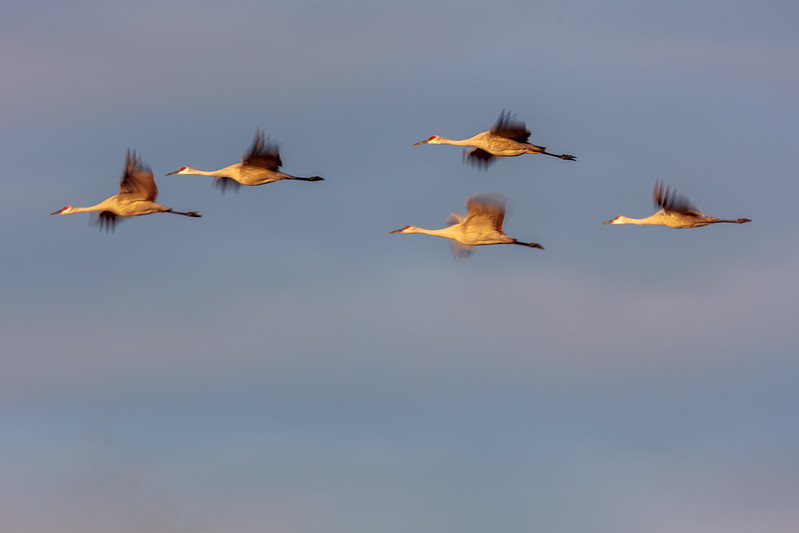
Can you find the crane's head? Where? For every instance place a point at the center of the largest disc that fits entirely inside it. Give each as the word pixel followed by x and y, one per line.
pixel 181 170
pixel 435 139
pixel 406 229
pixel 67 209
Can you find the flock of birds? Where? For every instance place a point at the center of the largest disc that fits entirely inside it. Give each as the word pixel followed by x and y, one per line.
pixel 481 226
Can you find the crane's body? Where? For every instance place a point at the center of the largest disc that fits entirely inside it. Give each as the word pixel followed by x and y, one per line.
pixel 676 212
pixel 506 138
pixel 481 226
pixel 136 197
pixel 259 166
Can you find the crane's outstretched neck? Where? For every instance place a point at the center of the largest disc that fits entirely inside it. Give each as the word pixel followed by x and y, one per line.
pixel 214 173
pixel 530 244
pixel 447 232
pixel 454 142
pixel 221 173
pixel 443 232
pixel 652 220
pixel 105 205
pixel 90 209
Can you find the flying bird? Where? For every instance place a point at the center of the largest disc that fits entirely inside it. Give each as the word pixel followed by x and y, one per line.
pixel 137 194
pixel 481 226
pixel 676 212
pixel 260 165
pixel 506 138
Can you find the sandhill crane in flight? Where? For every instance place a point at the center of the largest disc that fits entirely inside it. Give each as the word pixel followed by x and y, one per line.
pixel 260 165
pixel 482 226
pixel 506 138
pixel 676 212
pixel 137 194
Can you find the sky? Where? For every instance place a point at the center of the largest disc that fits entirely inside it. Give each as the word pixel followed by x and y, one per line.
pixel 284 364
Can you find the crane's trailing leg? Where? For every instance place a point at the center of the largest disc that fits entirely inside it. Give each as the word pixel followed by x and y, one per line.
pixel 565 157
pixel 530 244
pixel 187 213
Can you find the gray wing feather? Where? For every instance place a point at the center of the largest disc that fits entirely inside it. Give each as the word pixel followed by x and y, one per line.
pixel 137 180
pixel 670 200
pixel 263 153
pixel 510 128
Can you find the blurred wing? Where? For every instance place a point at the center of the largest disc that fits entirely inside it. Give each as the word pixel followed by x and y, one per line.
pixel 486 209
pixel 106 220
pixel 510 129
pixel 455 218
pixel 460 252
pixel 262 153
pixel 224 183
pixel 478 158
pixel 137 182
pixel 671 201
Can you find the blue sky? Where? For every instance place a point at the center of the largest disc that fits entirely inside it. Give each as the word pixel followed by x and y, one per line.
pixel 284 364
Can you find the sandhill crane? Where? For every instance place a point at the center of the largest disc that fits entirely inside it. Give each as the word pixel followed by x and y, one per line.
pixel 260 165
pixel 506 138
pixel 676 212
pixel 137 194
pixel 482 226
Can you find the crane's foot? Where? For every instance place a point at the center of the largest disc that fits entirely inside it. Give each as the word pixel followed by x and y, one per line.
pixel 743 220
pixel 567 157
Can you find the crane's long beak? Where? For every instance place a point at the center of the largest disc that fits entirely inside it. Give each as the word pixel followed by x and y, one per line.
pixel 421 142
pixel 609 221
pixel 390 232
pixel 57 212
pixel 170 173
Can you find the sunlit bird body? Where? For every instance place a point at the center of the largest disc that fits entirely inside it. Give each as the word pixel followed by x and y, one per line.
pixel 506 138
pixel 481 226
pixel 136 197
pixel 260 165
pixel 676 212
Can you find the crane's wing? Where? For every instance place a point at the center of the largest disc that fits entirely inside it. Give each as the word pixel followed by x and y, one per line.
pixel 671 201
pixel 486 210
pixel 455 218
pixel 510 129
pixel 262 153
pixel 223 183
pixel 137 181
pixel 478 157
pixel 107 220
pixel 460 251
